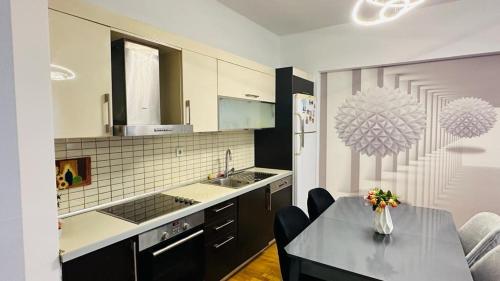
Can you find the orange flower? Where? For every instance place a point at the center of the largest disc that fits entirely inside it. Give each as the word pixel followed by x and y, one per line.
pixel 373 201
pixel 382 204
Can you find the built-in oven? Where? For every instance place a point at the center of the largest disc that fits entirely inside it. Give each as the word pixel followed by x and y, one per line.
pixel 174 251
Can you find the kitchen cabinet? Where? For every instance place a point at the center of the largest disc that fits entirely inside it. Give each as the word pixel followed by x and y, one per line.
pixel 238 114
pixel 279 199
pixel 221 236
pixel 199 83
pixel 245 83
pixel 82 102
pixel 113 263
pixel 254 217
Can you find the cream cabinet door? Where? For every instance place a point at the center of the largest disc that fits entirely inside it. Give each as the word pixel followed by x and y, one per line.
pixel 82 104
pixel 199 84
pixel 241 82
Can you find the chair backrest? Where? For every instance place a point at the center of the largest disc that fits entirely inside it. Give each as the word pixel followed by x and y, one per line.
pixel 288 223
pixel 490 241
pixel 318 200
pixel 478 235
pixel 488 267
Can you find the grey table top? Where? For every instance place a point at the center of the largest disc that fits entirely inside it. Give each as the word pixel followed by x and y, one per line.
pixel 423 246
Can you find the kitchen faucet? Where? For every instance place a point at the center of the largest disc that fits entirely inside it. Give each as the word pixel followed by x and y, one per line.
pixel 228 158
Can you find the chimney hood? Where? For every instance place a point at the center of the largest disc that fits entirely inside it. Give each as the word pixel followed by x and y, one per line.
pixel 137 100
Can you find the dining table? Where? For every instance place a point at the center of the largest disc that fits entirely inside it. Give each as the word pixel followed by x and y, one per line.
pixel 341 244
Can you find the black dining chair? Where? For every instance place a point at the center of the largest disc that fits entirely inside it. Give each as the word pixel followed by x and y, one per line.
pixel 288 223
pixel 318 200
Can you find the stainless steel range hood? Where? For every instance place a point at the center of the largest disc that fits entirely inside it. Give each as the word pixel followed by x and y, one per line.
pixel 137 102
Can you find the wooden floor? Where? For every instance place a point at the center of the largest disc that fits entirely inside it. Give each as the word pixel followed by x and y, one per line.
pixel 265 267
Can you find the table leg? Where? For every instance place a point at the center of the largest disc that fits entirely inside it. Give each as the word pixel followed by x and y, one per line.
pixel 294 269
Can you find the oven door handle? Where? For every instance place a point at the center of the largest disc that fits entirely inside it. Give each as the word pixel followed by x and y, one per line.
pixel 178 243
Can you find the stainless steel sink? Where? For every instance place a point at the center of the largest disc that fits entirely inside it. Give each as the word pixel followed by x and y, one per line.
pixel 240 179
pixel 230 182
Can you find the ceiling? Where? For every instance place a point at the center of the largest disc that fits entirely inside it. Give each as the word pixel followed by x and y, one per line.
pixel 471 77
pixel 284 17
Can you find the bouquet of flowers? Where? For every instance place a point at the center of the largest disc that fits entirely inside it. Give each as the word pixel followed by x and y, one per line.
pixel 380 199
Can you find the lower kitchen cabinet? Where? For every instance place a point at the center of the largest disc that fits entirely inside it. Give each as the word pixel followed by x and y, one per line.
pixel 113 263
pixel 234 231
pixel 254 217
pixel 221 257
pixel 221 240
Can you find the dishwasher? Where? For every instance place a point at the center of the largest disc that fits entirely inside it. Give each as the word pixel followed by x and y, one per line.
pixel 279 195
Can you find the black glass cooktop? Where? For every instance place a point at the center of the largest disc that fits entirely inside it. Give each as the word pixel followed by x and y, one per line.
pixel 147 208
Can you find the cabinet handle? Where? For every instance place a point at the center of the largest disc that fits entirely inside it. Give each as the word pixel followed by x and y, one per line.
pixel 188 107
pixel 301 120
pixel 223 208
pixel 252 96
pixel 229 239
pixel 269 198
pixel 134 250
pixel 217 228
pixel 107 101
pixel 180 242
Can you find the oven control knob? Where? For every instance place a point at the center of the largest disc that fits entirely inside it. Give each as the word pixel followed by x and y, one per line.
pixel 185 226
pixel 164 235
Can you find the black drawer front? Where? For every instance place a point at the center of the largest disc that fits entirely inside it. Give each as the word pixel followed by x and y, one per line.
pixel 224 209
pixel 220 257
pixel 220 228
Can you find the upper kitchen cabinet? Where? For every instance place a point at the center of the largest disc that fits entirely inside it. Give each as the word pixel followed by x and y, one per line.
pixel 199 85
pixel 81 76
pixel 245 83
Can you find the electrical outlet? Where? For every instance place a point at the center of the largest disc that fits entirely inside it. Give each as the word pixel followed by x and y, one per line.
pixel 179 151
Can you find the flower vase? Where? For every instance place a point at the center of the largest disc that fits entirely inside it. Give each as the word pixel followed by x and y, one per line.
pixel 383 222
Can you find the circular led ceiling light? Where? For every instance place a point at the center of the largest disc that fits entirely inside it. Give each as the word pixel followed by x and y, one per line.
pixel 389 10
pixel 59 73
pixel 468 117
pixel 380 121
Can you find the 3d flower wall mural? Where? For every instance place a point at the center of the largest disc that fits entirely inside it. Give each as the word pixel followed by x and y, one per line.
pixel 468 117
pixel 380 121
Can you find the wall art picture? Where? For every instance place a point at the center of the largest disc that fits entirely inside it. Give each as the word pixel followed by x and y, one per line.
pixel 428 131
pixel 73 172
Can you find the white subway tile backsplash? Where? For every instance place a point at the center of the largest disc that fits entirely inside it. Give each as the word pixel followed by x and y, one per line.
pixel 123 167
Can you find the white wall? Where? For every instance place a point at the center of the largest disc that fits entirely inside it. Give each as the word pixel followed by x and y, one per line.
pixel 11 255
pixel 457 28
pixel 28 207
pixel 206 21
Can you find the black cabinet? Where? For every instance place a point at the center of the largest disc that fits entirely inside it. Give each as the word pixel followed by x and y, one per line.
pixel 113 263
pixel 278 196
pixel 281 199
pixel 221 239
pixel 254 217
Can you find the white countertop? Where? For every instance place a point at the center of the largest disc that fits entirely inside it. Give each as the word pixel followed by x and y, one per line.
pixel 91 231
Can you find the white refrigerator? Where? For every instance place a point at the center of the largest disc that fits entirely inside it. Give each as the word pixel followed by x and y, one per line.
pixel 305 148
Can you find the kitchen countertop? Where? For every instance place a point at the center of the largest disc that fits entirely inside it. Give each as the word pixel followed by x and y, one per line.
pixel 91 231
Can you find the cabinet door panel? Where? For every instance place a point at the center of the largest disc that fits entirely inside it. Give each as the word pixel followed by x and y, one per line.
pixel 220 257
pixel 252 217
pixel 80 109
pixel 240 82
pixel 113 263
pixel 200 91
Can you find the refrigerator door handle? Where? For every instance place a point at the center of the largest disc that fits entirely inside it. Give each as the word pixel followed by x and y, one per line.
pixel 301 134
